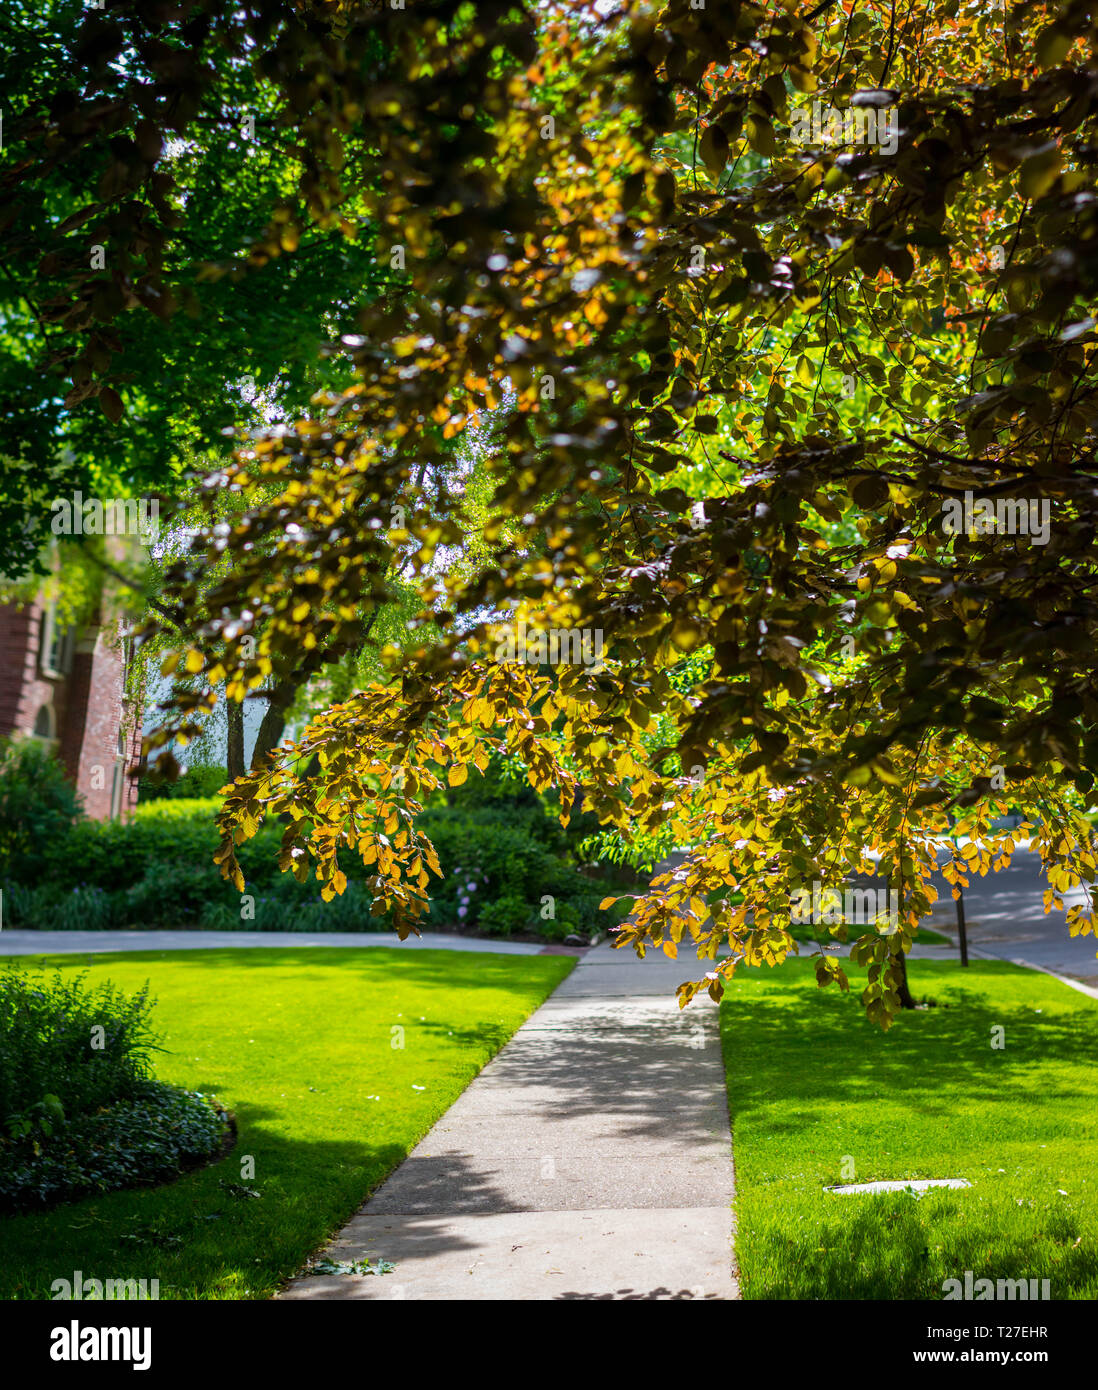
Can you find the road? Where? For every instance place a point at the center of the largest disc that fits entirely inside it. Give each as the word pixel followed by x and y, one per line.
pixel 1005 916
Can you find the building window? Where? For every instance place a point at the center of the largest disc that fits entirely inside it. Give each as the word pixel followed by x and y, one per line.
pixel 118 782
pixel 57 645
pixel 45 724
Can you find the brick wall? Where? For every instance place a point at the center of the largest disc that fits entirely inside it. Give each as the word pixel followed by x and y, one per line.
pixel 88 703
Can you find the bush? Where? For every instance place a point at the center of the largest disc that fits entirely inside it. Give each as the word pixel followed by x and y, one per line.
pixel 175 893
pixel 196 782
pixel 85 908
pixel 287 905
pixel 503 789
pixel 157 870
pixel 38 807
pixel 156 1135
pixel 86 1047
pixel 503 916
pixel 495 877
pixel 176 809
pixel 51 907
pixel 79 1111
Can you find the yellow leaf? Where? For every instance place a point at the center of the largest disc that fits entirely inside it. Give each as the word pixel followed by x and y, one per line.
pixel 458 773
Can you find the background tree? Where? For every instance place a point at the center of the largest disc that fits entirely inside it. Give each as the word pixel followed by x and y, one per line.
pixel 749 374
pixel 161 266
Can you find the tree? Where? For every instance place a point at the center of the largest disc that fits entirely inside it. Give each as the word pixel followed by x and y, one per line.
pixel 160 267
pixel 758 384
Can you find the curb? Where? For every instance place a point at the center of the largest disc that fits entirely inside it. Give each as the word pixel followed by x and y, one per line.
pixel 1028 965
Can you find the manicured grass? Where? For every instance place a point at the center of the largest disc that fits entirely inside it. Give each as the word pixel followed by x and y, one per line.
pixel 926 935
pixel 303 1045
pixel 812 1085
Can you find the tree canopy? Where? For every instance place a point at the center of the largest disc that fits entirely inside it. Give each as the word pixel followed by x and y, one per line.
pixel 159 272
pixel 746 356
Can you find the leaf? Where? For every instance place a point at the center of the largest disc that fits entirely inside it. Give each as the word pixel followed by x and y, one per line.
pixel 1052 46
pixel 110 402
pixel 713 148
pixel 457 774
pixel 760 135
pixel 1039 172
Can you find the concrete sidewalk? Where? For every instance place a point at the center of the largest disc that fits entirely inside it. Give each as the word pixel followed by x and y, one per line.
pixel 591 1159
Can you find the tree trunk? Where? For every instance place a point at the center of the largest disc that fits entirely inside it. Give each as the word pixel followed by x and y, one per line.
pixel 899 964
pixel 274 719
pixel 962 930
pixel 234 749
pixel 898 961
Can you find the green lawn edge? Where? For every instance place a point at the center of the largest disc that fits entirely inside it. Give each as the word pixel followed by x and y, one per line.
pixel 818 1096
pixel 295 1041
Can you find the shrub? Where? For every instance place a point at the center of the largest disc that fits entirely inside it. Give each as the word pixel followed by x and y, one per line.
pixel 196 782
pixel 175 893
pixel 116 854
pixel 495 876
pixel 154 1136
pixel 38 808
pixel 503 788
pixel 287 905
pixel 191 808
pixel 157 870
pixel 86 1047
pixel 50 907
pixel 84 908
pixel 503 916
pixel 79 1111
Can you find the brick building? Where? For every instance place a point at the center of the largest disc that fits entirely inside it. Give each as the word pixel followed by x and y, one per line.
pixel 67 688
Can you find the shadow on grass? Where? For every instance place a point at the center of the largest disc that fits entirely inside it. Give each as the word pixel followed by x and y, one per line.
pixel 822 1054
pixel 932 1098
pixel 204 1236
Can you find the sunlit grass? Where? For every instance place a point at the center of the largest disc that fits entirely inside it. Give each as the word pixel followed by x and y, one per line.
pixel 818 1096
pixel 304 1045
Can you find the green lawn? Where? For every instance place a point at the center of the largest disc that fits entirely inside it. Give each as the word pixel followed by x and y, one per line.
pixel 815 935
pixel 300 1044
pixel 811 1084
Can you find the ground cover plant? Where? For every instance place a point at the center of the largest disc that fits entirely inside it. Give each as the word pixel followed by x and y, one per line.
pixel 335 1062
pixel 80 1110
pixel 815 1102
